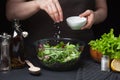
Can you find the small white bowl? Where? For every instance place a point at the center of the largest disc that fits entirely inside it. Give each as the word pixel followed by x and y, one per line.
pixel 76 22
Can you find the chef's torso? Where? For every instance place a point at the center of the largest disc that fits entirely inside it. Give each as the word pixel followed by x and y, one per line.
pixel 41 26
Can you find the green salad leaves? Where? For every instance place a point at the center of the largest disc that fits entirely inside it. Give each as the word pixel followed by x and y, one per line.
pixel 108 44
pixel 59 53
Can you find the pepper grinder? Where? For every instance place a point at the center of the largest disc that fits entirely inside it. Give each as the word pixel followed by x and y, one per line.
pixel 5 64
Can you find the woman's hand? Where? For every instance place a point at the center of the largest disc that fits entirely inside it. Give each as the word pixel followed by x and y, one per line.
pixel 90 15
pixel 52 7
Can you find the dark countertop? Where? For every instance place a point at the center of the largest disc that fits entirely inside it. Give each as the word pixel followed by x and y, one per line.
pixel 90 70
pixel 23 74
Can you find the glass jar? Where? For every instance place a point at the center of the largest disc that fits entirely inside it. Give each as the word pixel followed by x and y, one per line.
pixel 5 64
pixel 105 63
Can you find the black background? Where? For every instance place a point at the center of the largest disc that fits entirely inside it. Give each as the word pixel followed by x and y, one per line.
pixel 5 25
pixel 112 21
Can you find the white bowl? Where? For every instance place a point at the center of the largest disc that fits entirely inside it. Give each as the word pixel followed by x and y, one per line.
pixel 76 22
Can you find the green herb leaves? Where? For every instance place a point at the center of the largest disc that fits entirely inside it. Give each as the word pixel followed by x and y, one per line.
pixel 61 53
pixel 108 44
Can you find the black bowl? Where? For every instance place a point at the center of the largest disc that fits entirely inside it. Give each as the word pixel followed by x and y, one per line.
pixel 57 64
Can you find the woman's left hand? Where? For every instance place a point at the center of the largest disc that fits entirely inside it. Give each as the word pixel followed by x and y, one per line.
pixel 90 15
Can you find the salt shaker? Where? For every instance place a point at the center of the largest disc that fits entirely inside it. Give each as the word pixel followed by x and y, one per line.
pixel 5 64
pixel 105 63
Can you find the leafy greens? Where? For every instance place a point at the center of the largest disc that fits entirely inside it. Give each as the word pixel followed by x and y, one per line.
pixel 108 44
pixel 60 53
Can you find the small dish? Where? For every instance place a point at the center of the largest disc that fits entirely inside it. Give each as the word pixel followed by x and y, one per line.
pixel 76 22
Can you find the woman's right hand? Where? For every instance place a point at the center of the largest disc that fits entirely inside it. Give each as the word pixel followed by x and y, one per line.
pixel 53 8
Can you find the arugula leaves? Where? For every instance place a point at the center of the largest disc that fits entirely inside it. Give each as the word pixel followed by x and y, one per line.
pixel 61 53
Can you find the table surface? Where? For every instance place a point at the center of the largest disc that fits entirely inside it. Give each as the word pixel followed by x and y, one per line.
pixel 23 74
pixel 88 70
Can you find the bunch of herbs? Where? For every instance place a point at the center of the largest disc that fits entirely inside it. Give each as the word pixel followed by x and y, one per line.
pixel 108 44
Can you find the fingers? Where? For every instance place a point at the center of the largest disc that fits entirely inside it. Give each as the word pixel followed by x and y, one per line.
pixel 60 13
pixel 88 25
pixel 86 13
pixel 54 10
pixel 55 13
pixel 50 12
pixel 89 14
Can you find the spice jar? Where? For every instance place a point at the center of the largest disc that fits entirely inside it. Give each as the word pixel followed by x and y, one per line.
pixel 105 63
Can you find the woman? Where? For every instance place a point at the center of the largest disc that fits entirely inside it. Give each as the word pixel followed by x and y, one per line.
pixel 38 17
